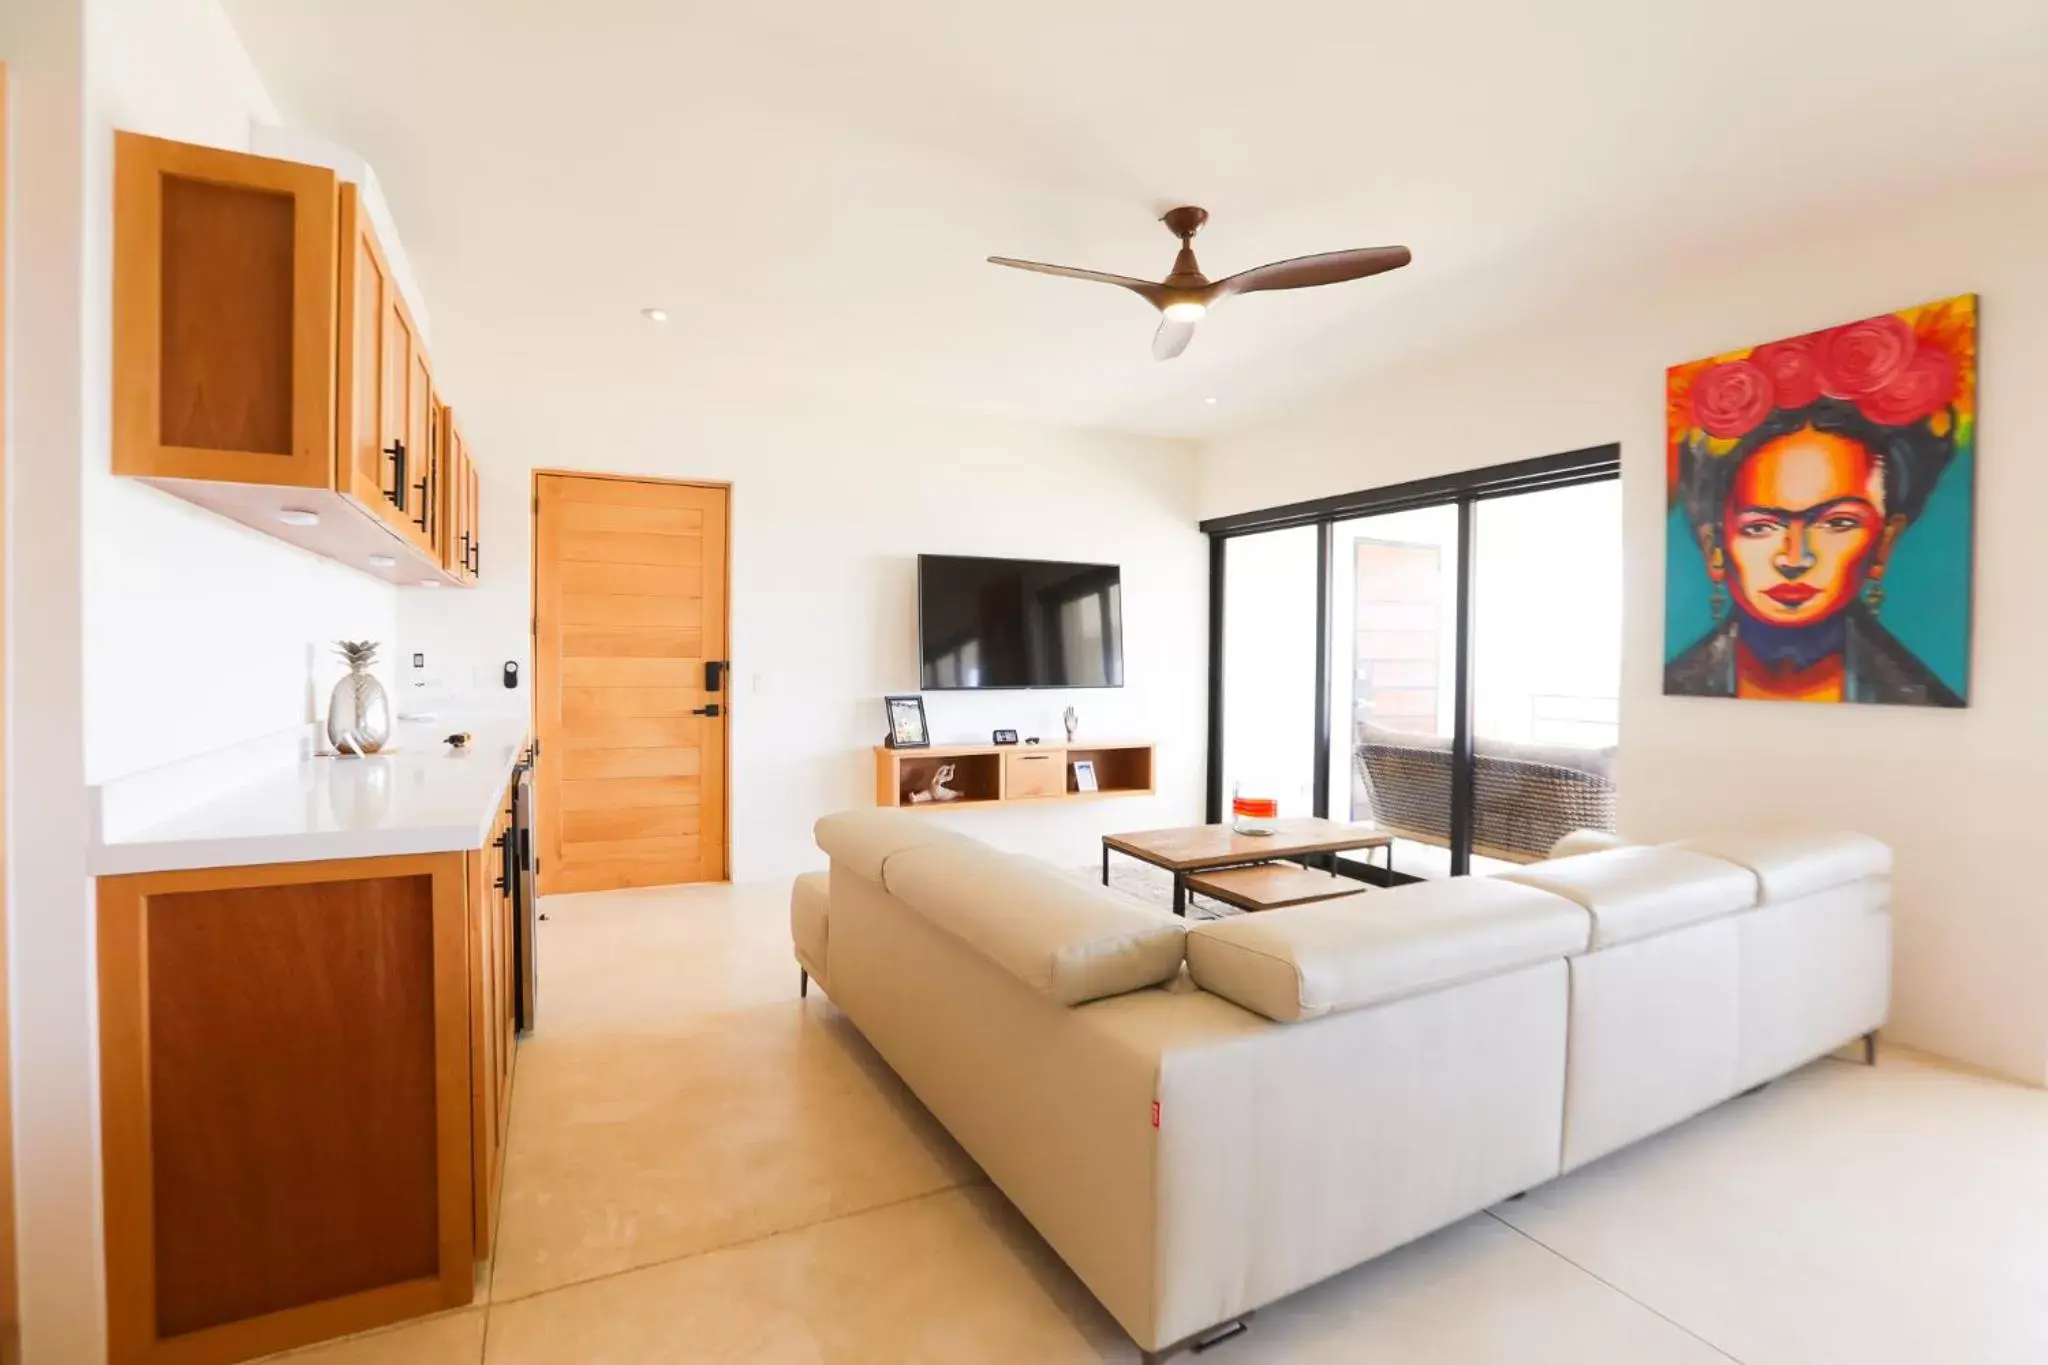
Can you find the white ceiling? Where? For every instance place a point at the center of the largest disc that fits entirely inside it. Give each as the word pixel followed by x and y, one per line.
pixel 809 186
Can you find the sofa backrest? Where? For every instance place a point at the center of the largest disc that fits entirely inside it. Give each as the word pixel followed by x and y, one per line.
pixel 1643 890
pixel 1067 940
pixel 1311 960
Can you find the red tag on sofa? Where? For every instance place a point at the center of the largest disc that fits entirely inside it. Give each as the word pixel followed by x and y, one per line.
pixel 1254 808
pixel 1155 1113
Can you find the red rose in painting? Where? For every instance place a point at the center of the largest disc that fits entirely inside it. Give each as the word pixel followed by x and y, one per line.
pixel 1794 369
pixel 1863 357
pixel 1927 385
pixel 1729 399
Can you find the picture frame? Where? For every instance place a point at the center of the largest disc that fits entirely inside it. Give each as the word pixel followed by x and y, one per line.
pixel 908 728
pixel 1084 775
pixel 1005 737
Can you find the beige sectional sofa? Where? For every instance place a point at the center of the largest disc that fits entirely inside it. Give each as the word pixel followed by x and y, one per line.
pixel 1202 1118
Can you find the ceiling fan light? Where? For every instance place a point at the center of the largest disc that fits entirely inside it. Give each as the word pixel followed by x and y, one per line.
pixel 1185 310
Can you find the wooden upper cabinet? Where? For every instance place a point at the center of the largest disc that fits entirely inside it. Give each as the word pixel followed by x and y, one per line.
pixel 422 450
pixel 266 364
pixel 473 520
pixel 368 471
pixel 439 461
pixel 224 315
pixel 404 424
pixel 459 552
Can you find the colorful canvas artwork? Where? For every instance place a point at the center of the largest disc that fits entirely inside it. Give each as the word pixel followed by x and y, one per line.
pixel 1818 540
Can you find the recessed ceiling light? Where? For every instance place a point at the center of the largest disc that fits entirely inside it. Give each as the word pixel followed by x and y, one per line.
pixel 430 582
pixel 298 516
pixel 1210 400
pixel 655 314
pixel 383 561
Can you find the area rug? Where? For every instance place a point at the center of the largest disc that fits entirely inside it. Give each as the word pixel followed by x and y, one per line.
pixel 1152 885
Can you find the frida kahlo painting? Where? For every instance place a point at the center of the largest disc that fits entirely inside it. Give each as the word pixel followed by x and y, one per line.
pixel 1818 541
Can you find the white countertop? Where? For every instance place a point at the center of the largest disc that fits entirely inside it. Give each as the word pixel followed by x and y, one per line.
pixel 277 800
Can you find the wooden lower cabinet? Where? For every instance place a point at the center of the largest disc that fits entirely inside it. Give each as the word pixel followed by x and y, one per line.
pixel 493 1035
pixel 305 1074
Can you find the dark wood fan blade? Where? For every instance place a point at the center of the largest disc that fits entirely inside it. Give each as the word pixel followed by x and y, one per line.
pixel 1172 338
pixel 1149 291
pixel 1332 267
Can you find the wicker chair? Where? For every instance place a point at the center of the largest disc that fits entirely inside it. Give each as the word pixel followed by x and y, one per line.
pixel 1528 796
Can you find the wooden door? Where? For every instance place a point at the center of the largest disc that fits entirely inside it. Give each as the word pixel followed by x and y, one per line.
pixel 629 606
pixel 224 315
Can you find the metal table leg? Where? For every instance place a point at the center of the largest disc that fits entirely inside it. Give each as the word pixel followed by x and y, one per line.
pixel 1105 864
pixel 1180 894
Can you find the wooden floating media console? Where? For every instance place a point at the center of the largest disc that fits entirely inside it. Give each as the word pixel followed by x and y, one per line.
pixel 986 774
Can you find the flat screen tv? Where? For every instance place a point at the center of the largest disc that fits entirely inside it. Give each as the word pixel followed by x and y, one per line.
pixel 1018 623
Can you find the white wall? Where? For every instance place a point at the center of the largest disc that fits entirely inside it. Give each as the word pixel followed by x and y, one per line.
pixel 831 504
pixel 1957 793
pixel 198 631
pixel 140 629
pixel 50 957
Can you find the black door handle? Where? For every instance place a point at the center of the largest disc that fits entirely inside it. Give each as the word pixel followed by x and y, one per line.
pixel 396 493
pixel 710 710
pixel 714 675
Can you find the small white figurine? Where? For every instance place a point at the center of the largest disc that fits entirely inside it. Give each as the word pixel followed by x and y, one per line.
pixel 1073 720
pixel 938 790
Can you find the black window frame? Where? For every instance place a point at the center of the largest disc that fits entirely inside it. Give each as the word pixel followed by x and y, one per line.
pixel 1464 490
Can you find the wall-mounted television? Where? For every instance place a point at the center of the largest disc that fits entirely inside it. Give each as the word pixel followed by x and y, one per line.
pixel 1018 623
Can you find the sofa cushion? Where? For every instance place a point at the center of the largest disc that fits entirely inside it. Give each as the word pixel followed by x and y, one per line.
pixel 1311 960
pixel 863 841
pixel 808 923
pixel 1635 892
pixel 1586 841
pixel 1064 938
pixel 1793 863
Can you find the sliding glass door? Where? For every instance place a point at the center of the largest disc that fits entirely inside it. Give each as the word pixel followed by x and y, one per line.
pixel 1546 668
pixel 1269 671
pixel 1393 655
pixel 1441 659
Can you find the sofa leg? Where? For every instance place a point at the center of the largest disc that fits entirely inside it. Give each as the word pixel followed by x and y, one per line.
pixel 1870 1048
pixel 803 984
pixel 1200 1341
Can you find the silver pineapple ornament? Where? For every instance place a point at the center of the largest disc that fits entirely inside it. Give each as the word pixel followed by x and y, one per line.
pixel 358 714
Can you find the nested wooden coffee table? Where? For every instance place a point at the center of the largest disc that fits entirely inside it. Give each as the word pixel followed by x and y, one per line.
pixel 1205 848
pixel 1272 886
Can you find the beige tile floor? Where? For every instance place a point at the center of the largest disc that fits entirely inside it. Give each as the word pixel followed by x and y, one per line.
pixel 703 1168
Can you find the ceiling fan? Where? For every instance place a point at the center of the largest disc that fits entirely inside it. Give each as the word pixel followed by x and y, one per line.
pixel 1186 295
